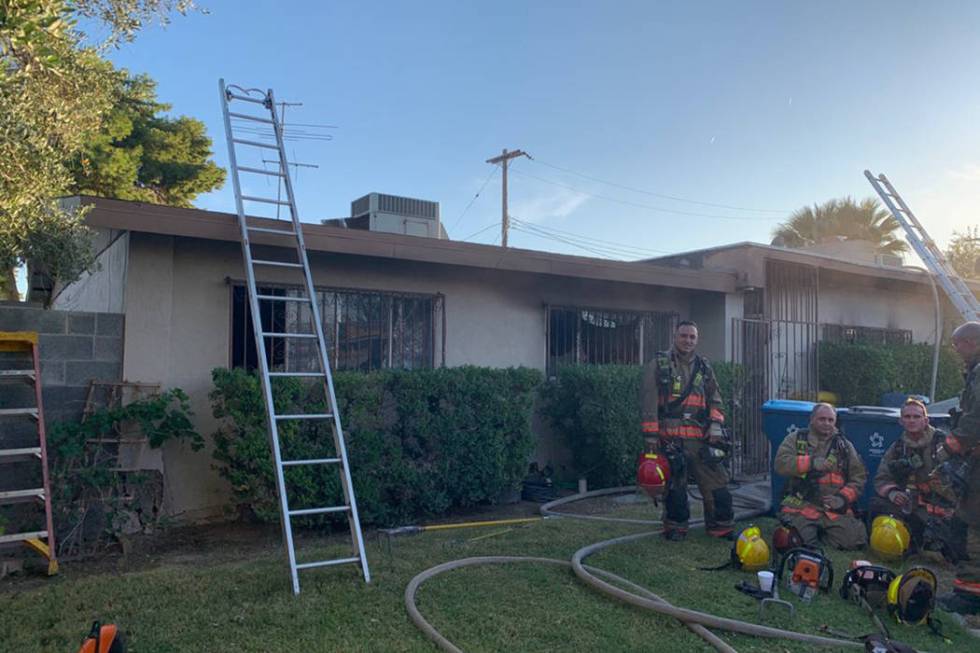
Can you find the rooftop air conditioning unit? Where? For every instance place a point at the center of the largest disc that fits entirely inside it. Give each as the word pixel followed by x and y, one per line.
pixel 889 260
pixel 398 215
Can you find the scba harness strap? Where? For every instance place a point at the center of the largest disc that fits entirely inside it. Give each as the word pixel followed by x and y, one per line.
pixel 670 386
pixel 805 487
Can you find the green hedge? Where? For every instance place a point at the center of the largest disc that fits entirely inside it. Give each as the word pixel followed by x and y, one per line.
pixel 419 442
pixel 596 410
pixel 860 373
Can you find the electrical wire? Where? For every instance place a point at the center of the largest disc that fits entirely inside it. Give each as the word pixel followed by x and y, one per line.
pixel 485 182
pixel 648 207
pixel 599 253
pixel 588 240
pixel 600 249
pixel 489 226
pixel 653 194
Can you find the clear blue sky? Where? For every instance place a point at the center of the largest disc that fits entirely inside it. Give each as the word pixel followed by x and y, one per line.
pixel 763 105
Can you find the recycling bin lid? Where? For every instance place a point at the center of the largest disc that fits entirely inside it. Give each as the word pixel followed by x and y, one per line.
pixel 794 406
pixel 875 411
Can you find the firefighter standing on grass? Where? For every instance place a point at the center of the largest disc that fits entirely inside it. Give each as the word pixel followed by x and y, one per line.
pixel 959 459
pixel 825 477
pixel 682 417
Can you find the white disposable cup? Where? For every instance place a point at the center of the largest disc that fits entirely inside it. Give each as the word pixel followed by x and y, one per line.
pixel 765 581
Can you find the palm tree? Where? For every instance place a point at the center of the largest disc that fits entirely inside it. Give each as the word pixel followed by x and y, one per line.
pixel 842 218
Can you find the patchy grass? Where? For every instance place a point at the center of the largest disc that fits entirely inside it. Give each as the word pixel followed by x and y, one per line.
pixel 237 598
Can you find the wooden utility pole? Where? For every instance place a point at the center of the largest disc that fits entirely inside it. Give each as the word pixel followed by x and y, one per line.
pixel 503 159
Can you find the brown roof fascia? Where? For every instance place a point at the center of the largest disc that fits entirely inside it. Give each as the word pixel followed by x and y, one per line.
pixel 211 225
pixel 750 249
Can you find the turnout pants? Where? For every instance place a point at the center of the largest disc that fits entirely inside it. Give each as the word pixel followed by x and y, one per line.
pixel 712 481
pixel 968 571
pixel 839 531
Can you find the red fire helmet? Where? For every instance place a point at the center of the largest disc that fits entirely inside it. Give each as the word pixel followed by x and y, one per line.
pixel 785 538
pixel 653 474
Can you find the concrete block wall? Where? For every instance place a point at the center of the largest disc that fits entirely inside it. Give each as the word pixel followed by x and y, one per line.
pixel 75 348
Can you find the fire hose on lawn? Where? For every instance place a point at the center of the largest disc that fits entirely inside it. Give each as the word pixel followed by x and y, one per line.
pixel 598 579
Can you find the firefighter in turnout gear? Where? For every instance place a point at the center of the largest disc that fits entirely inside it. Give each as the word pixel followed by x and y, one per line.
pixel 904 488
pixel 682 418
pixel 959 467
pixel 825 477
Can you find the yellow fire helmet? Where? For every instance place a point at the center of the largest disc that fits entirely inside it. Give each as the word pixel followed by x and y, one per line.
pixel 751 552
pixel 889 537
pixel 912 596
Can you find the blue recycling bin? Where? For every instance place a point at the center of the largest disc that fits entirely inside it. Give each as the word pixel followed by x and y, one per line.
pixel 871 429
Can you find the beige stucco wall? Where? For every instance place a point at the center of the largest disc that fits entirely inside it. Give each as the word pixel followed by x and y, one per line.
pixel 178 323
pixel 102 289
pixel 877 303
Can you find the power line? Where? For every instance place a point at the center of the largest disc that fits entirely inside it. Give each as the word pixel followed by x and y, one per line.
pixel 653 194
pixel 602 250
pixel 599 253
pixel 489 226
pixel 596 241
pixel 606 250
pixel 485 182
pixel 649 207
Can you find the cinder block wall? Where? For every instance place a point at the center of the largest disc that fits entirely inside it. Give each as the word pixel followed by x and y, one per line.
pixel 75 349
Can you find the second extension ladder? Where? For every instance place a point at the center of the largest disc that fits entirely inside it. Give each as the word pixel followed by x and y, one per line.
pixel 958 292
pixel 20 364
pixel 267 124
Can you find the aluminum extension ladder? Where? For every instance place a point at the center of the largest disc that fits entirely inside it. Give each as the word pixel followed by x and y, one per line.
pixel 958 292
pixel 24 344
pixel 267 122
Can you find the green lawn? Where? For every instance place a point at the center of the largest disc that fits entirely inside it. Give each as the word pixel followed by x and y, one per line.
pixel 238 599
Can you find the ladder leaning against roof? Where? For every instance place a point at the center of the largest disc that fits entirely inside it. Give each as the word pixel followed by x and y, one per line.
pixel 958 292
pixel 267 124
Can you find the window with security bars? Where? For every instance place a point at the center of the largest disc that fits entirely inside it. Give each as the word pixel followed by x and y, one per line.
pixel 586 336
pixel 865 335
pixel 364 330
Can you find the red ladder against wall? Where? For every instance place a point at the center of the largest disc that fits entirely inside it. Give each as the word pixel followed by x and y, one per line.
pixel 15 369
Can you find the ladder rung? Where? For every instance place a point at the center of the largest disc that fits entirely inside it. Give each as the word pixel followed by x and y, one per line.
pixel 245 116
pixel 311 461
pixel 302 374
pixel 317 511
pixel 327 563
pixel 16 375
pixel 267 230
pixel 21 537
pixel 252 198
pixel 278 264
pixel 283 298
pixel 18 455
pixel 234 96
pixel 19 496
pixel 259 171
pixel 276 334
pixel 18 412
pixel 242 141
pixel 306 416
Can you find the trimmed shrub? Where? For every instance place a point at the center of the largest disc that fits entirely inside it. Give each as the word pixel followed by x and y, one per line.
pixel 596 409
pixel 419 442
pixel 861 374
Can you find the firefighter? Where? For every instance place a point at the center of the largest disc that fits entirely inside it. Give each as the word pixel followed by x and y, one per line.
pixel 960 468
pixel 903 488
pixel 825 477
pixel 683 418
